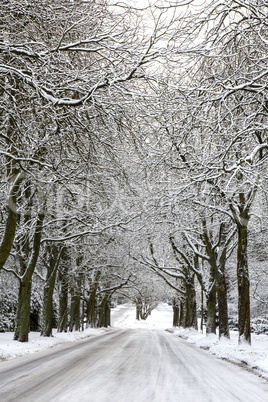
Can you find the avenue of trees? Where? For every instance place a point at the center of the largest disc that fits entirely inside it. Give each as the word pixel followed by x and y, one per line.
pixel 133 150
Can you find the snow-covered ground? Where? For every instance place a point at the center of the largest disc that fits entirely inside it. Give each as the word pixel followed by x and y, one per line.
pixel 253 357
pixel 10 349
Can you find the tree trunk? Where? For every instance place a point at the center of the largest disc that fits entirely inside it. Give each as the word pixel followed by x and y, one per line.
pixel 92 305
pixel 176 312
pixel 223 306
pixel 10 227
pixel 202 310
pixel 103 311
pixel 91 310
pixel 137 312
pixel 182 313
pixel 63 297
pixel 138 309
pixel 24 301
pixel 211 310
pixel 22 328
pixel 222 286
pixel 108 314
pixel 47 316
pixel 75 313
pixel 244 331
pixel 217 261
pixel 190 304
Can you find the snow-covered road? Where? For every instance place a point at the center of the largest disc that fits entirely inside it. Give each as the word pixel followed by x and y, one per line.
pixel 136 365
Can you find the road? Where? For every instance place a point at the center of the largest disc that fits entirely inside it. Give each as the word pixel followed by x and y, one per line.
pixel 132 365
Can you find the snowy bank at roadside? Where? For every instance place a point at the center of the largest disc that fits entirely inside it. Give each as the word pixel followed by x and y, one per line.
pixel 10 349
pixel 254 357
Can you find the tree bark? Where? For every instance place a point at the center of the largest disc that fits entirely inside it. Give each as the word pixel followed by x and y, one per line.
pixel 63 295
pixel 176 312
pixel 244 331
pixel 22 328
pixel 75 314
pixel 217 261
pixel 211 310
pixel 24 300
pixel 223 306
pixel 75 310
pixel 10 227
pixel 182 314
pixel 190 303
pixel 104 312
pixel 47 315
pixel 92 303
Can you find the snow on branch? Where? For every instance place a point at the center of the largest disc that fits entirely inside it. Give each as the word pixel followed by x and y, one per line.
pixel 251 157
pixel 56 101
pixel 90 232
pixel 20 159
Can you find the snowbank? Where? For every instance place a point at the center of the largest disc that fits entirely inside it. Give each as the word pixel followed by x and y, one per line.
pixel 10 349
pixel 254 357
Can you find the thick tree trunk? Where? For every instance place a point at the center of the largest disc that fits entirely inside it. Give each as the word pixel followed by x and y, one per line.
pixel 223 307
pixel 63 308
pixel 75 309
pixel 92 313
pixel 63 301
pixel 190 304
pixel 10 227
pixel 104 311
pixel 182 313
pixel 244 331
pixel 138 311
pixel 92 310
pixel 108 314
pixel 217 261
pixel 23 312
pixel 211 310
pixel 222 287
pixel 176 312
pixel 202 310
pixel 63 292
pixel 47 315
pixel 24 301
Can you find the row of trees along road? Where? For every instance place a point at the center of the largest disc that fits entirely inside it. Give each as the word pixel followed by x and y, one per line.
pixel 132 140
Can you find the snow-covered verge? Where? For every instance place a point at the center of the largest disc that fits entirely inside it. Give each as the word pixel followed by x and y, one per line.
pixel 10 349
pixel 254 357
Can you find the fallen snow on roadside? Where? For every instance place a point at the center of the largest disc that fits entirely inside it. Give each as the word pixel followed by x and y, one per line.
pixel 253 357
pixel 10 349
